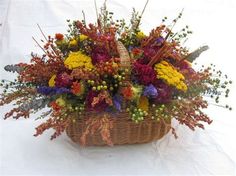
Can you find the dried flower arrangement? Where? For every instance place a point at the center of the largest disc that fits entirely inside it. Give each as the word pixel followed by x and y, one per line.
pixel 96 72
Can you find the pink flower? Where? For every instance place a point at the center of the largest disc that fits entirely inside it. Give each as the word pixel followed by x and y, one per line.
pixel 99 54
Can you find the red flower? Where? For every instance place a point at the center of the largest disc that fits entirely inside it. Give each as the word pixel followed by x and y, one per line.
pixel 77 88
pixel 127 92
pixel 55 106
pixel 137 51
pixel 63 80
pixel 144 73
pixel 59 36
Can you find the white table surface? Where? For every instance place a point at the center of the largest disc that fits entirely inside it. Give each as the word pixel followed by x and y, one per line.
pixel 209 152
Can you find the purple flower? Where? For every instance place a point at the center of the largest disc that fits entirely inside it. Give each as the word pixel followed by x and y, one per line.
pixel 164 92
pixel 52 90
pixel 150 91
pixel 130 48
pixel 99 54
pixel 117 100
pixel 159 41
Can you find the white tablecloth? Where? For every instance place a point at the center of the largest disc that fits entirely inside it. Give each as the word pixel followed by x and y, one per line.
pixel 209 152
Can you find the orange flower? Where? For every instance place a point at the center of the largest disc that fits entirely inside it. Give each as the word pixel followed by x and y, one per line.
pixel 77 88
pixel 59 36
pixel 136 51
pixel 127 92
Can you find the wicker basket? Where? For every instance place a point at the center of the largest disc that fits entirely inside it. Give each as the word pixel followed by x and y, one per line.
pixel 124 131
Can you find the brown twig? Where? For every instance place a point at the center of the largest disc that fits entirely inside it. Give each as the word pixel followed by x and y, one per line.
pixel 158 55
pixel 42 32
pixel 40 46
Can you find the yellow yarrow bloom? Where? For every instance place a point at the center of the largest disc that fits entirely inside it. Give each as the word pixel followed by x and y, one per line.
pixel 140 35
pixel 72 43
pixel 170 75
pixel 82 37
pixel 51 82
pixel 78 59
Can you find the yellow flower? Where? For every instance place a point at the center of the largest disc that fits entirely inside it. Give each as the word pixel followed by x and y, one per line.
pixel 140 35
pixel 82 37
pixel 114 65
pixel 72 43
pixel 51 82
pixel 170 75
pixel 137 90
pixel 61 43
pixel 78 59
pixel 143 103
pixel 60 101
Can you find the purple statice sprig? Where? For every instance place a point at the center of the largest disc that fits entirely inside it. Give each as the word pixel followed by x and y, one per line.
pixel 150 91
pixel 117 100
pixel 52 90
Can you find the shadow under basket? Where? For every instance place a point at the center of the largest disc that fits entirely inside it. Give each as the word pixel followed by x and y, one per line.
pixel 124 131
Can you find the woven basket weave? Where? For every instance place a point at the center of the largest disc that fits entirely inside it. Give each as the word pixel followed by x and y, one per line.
pixel 124 131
